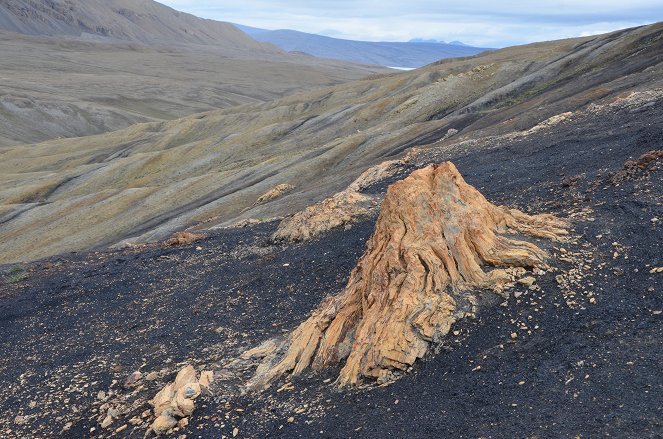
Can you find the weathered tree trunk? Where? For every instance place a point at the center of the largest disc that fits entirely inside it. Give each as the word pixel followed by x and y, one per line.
pixel 436 239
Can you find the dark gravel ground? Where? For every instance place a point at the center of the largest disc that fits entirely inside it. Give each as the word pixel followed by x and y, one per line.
pixel 586 361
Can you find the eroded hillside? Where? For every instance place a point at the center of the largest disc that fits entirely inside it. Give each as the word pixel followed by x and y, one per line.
pixel 207 170
pixel 74 68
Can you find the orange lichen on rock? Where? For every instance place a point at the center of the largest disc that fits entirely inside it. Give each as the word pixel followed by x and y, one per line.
pixel 436 242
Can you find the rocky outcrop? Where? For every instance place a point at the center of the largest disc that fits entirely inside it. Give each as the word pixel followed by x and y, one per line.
pixel 175 402
pixel 437 243
pixel 339 210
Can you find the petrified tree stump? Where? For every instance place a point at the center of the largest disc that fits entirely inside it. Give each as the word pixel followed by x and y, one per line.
pixel 437 239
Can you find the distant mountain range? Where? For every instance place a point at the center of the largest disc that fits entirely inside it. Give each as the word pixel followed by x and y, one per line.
pixel 453 43
pixel 413 54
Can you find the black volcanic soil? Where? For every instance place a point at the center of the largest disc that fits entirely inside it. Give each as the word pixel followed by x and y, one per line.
pixel 586 364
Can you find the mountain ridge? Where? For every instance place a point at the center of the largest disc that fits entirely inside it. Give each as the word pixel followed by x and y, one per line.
pixel 411 54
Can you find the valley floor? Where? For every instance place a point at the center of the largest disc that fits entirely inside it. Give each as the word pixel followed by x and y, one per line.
pixel 585 361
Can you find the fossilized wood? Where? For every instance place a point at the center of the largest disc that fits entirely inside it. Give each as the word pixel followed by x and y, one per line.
pixel 338 210
pixel 341 209
pixel 436 242
pixel 274 193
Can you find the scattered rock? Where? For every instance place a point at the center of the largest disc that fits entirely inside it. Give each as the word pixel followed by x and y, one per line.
pixel 133 379
pixel 634 169
pixel 108 420
pixel 527 281
pixel 152 376
pixel 164 423
pixel 450 133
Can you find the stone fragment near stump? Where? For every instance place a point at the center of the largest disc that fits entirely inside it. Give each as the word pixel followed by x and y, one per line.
pixel 152 376
pixel 163 424
pixel 133 379
pixel 107 421
pixel 527 281
pixel 175 401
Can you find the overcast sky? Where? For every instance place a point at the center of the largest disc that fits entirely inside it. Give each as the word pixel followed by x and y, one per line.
pixel 487 23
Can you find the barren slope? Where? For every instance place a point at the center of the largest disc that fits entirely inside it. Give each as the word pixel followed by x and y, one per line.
pixel 584 361
pixel 145 182
pixel 65 87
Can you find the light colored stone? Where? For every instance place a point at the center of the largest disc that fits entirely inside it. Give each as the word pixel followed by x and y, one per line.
pixel 107 422
pixel 206 379
pixel 152 376
pixel 164 423
pixel 176 399
pixel 133 379
pixel 527 281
